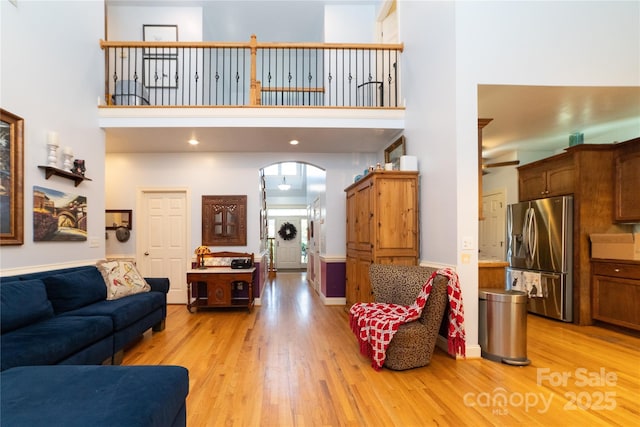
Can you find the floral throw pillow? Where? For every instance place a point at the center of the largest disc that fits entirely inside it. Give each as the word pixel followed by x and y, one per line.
pixel 122 279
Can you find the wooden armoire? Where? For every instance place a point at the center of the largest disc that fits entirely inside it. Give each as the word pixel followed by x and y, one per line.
pixel 382 227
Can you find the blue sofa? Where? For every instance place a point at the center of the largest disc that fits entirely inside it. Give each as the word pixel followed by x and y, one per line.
pixel 55 325
pixel 63 317
pixel 94 396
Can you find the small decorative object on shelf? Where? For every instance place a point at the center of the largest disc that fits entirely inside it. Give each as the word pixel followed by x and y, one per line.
pixel 287 231
pixel 68 156
pixel 78 167
pixel 52 145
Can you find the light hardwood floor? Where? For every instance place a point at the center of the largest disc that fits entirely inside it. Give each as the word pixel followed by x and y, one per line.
pixel 295 362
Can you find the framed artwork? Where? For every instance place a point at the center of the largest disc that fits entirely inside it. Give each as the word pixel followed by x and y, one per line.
pixel 11 179
pixel 58 216
pixel 159 34
pixel 393 152
pixel 224 220
pixel 160 73
pixel 115 218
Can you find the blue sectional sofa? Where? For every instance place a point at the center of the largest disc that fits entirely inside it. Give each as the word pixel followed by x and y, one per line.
pixel 94 396
pixel 63 317
pixel 55 325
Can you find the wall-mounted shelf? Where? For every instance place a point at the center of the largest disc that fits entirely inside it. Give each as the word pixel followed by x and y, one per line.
pixel 50 170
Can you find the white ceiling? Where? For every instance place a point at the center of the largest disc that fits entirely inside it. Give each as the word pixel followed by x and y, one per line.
pixel 532 118
pixel 248 139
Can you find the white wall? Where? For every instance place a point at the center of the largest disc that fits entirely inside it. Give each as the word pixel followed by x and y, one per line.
pixel 51 76
pixel 125 22
pixel 349 23
pixel 450 49
pixel 223 173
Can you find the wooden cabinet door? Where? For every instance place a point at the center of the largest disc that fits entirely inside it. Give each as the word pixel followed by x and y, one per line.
pixel 616 301
pixel 627 182
pixel 363 217
pixel 531 183
pixel 546 178
pixel 358 284
pixel 352 220
pixel 351 285
pixel 395 216
pixel 362 276
pixel 560 179
pixel 219 293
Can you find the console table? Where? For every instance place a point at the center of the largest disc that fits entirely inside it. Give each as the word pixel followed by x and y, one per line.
pixel 220 287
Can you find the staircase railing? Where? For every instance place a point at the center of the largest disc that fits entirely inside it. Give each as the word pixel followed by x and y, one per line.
pixel 251 74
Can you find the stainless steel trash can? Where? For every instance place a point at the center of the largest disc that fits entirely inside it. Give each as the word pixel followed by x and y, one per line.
pixel 503 326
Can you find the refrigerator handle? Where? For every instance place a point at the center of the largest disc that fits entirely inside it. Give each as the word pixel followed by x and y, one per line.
pixel 534 234
pixel 529 235
pixel 545 285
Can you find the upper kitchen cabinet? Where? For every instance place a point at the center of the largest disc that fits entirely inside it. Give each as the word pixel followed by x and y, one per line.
pixel 546 178
pixel 627 181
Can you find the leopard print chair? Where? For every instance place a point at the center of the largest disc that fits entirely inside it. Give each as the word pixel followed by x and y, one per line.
pixel 413 344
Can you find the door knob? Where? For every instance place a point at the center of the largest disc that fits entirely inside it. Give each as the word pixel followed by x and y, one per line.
pixel 146 254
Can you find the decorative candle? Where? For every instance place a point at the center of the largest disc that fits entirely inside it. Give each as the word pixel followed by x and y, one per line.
pixel 52 138
pixel 68 159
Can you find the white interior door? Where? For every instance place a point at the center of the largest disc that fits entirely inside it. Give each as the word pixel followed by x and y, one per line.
pixel 492 228
pixel 162 243
pixel 288 252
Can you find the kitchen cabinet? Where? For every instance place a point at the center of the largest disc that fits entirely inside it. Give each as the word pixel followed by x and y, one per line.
pixel 616 292
pixel 586 172
pixel 627 181
pixel 492 274
pixel 382 227
pixel 548 178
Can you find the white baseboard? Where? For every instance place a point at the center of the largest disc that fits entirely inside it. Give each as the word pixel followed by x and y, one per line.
pixel 333 300
pixel 472 351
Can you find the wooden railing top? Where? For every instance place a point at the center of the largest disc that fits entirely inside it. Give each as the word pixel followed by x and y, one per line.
pixel 259 45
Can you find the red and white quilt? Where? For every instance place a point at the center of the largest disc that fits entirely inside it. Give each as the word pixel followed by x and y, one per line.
pixel 375 324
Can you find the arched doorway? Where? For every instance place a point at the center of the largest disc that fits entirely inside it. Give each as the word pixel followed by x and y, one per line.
pixel 293 192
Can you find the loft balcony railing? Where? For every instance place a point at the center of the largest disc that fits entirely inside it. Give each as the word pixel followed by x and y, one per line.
pixel 189 74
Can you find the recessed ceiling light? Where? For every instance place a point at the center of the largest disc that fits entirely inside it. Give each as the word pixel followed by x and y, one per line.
pixel 294 142
pixel 194 141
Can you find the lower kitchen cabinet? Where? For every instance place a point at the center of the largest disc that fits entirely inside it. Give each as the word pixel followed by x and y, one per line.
pixel 616 292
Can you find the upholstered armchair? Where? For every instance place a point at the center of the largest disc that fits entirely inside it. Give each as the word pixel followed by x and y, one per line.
pixel 413 344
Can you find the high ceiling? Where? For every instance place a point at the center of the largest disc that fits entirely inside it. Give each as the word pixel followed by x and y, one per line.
pixel 536 118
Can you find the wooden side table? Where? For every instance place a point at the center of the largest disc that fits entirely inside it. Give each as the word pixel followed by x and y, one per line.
pixel 220 287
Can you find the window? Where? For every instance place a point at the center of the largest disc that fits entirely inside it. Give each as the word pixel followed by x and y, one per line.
pixel 224 220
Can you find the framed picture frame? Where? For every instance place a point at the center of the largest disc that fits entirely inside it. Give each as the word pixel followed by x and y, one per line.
pixel 115 218
pixel 160 73
pixel 393 152
pixel 224 220
pixel 11 179
pixel 159 34
pixel 59 216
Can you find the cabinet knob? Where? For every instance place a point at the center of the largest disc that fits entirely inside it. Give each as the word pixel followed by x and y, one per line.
pixel 617 270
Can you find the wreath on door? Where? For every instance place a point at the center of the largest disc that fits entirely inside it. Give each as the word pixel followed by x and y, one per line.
pixel 287 231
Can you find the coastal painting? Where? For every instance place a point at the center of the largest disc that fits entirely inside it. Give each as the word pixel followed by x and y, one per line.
pixel 58 216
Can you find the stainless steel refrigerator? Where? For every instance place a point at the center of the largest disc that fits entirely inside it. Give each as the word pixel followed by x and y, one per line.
pixel 540 254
